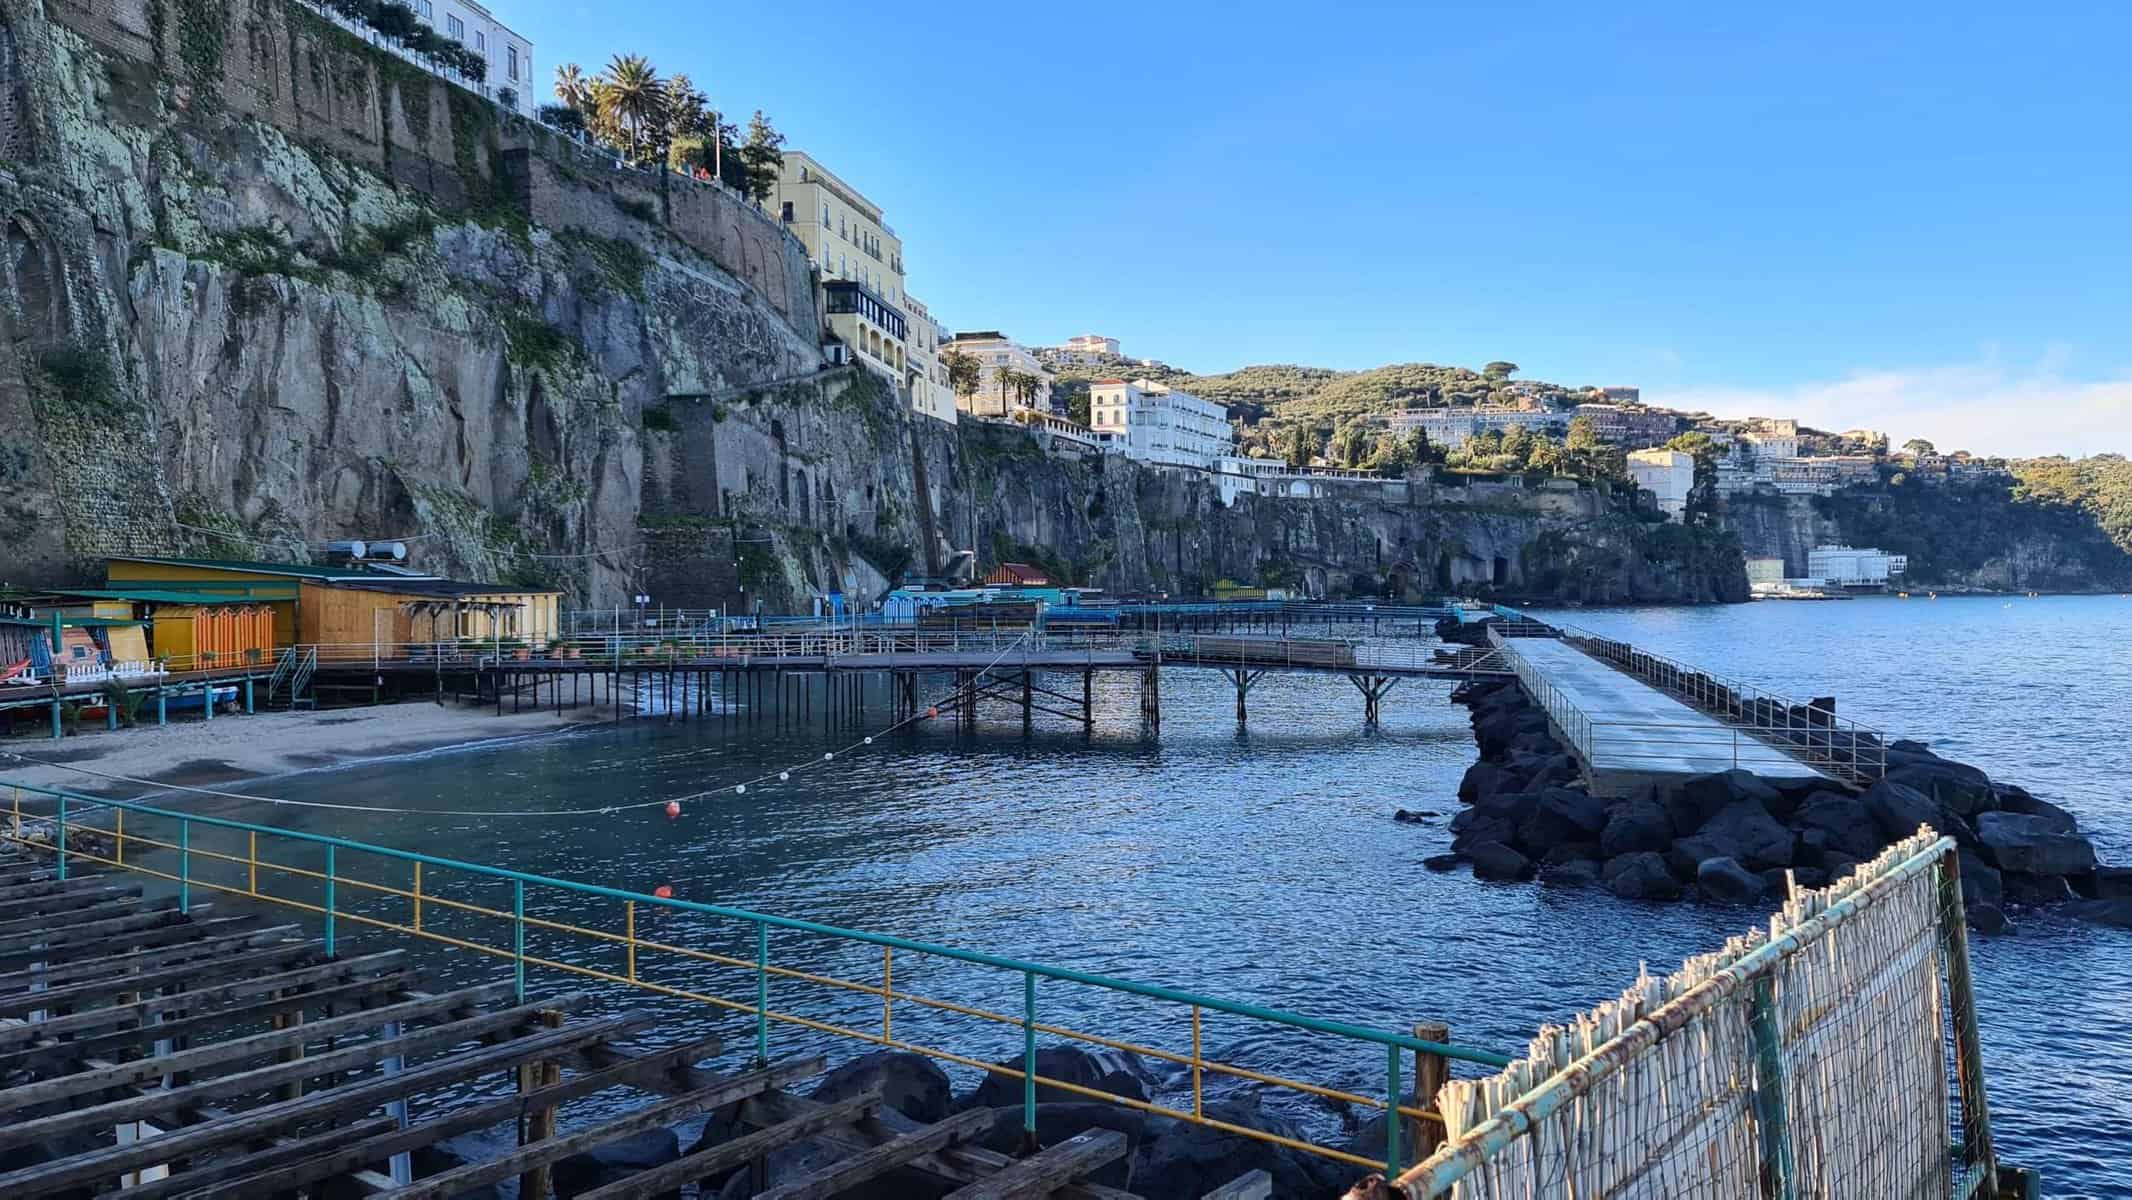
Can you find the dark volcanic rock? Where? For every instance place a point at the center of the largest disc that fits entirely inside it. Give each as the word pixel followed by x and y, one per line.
pixel 1494 860
pixel 1570 852
pixel 1641 876
pixel 1898 809
pixel 1762 839
pixel 2106 883
pixel 2117 913
pixel 1727 882
pixel 1845 821
pixel 1482 779
pixel 1988 918
pixel 2017 842
pixel 1482 828
pixel 1981 882
pixel 1443 862
pixel 1561 816
pixel 2014 800
pixel 1685 856
pixel 1636 823
pixel 1119 1072
pixel 2035 891
pixel 1960 789
pixel 616 1161
pixel 1182 1159
pixel 912 1084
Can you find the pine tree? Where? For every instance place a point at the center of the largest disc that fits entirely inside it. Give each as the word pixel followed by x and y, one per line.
pixel 763 157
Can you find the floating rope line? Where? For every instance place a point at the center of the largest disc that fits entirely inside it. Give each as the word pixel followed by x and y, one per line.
pixel 779 775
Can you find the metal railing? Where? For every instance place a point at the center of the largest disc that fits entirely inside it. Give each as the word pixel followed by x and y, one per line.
pixel 336 890
pixel 1838 745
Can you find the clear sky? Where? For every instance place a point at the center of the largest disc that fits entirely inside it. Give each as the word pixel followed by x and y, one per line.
pixel 1915 217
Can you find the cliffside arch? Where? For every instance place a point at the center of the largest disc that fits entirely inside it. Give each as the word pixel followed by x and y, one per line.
pixel 40 293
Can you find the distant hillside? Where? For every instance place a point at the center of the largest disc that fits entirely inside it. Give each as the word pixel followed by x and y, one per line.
pixel 1289 392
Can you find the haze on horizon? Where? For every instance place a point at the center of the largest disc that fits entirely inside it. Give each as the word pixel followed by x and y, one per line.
pixel 1909 219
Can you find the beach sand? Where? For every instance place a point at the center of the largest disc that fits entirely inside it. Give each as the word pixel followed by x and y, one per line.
pixel 236 747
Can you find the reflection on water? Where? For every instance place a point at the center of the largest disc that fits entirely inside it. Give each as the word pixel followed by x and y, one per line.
pixel 1262 864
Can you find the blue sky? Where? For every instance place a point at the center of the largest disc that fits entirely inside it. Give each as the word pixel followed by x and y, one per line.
pixel 1917 218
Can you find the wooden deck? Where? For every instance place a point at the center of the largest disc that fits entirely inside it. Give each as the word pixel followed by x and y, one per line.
pixel 201 1053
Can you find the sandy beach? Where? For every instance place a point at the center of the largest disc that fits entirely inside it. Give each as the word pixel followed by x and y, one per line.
pixel 236 747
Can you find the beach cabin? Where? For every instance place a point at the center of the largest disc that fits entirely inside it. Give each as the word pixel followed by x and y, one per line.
pixel 361 606
pixel 192 630
pixel 53 645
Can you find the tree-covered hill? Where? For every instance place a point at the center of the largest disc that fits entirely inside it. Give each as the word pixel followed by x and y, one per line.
pixel 1290 392
pixel 2100 486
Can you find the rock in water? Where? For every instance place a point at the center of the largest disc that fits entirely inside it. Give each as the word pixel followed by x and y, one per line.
pixel 1637 823
pixel 2033 845
pixel 1119 1072
pixel 1641 876
pixel 912 1084
pixel 615 1162
pixel 1443 862
pixel 1562 816
pixel 1845 821
pixel 1727 882
pixel 1494 860
pixel 1762 839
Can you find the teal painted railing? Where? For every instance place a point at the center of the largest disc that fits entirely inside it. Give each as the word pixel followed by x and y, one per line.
pixel 69 808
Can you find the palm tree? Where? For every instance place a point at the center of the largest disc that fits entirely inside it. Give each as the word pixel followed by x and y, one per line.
pixel 632 100
pixel 572 88
pixel 1026 387
pixel 964 373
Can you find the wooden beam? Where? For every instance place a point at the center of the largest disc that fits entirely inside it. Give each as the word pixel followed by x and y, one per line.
pixel 1041 1173
pixel 956 1164
pixel 221 933
pixel 668 1177
pixel 665 1112
pixel 147 981
pixel 44 897
pixel 266 1120
pixel 880 1160
pixel 465 1120
pixel 97 937
pixel 168 1100
pixel 46 1091
pixel 80 914
pixel 206 1175
pixel 136 1030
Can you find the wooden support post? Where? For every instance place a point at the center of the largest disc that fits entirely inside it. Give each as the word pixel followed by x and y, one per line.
pixel 1028 702
pixel 1431 1072
pixel 1088 701
pixel 538 1124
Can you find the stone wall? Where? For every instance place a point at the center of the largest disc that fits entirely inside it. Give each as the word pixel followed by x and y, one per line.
pixel 283 64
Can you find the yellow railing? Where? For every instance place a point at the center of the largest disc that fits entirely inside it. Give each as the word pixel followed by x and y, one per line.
pixel 129 850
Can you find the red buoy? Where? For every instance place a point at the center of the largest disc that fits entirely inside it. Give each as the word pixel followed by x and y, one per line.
pixel 664 891
pixel 673 809
pixel 932 711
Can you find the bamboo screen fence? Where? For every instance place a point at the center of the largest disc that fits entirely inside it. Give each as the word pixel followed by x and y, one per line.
pixel 1810 1059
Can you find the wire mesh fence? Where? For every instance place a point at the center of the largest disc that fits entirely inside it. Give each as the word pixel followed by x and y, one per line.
pixel 1808 1059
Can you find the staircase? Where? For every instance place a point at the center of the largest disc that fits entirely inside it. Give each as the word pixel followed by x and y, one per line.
pixel 293 672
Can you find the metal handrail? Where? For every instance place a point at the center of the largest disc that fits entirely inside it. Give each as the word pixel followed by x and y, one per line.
pixel 1394 1044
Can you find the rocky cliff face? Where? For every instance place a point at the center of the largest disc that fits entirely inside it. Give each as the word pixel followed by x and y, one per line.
pixel 1957 535
pixel 259 298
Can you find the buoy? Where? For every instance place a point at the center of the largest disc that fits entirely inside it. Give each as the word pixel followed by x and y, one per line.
pixel 782 776
pixel 673 809
pixel 827 756
pixel 740 789
pixel 932 711
pixel 664 891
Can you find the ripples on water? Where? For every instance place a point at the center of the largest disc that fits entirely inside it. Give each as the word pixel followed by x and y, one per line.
pixel 1261 865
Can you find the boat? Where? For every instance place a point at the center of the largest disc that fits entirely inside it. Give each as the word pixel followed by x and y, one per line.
pixel 191 700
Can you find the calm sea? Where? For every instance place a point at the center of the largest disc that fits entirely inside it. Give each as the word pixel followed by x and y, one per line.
pixel 1261 863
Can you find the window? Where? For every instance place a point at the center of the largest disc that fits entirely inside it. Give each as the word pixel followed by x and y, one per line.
pixel 424 7
pixel 785 210
pixel 481 41
pixel 452 25
pixel 513 61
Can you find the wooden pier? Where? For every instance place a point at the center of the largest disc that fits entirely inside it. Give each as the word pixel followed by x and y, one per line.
pixel 167 1049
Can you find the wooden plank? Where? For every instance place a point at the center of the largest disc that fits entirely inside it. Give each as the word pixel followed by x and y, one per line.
pixel 688 1169
pixel 466 1120
pixel 201 1179
pixel 99 937
pixel 1252 1185
pixel 160 1101
pixel 227 967
pixel 136 1031
pixel 44 897
pixel 956 1164
pixel 46 1091
pixel 665 1112
pixel 220 934
pixel 265 1121
pixel 80 914
pixel 1041 1173
pixel 880 1160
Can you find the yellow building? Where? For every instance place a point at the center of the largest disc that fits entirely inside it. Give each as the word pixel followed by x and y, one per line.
pixel 860 259
pixel 360 605
pixel 996 353
pixel 926 376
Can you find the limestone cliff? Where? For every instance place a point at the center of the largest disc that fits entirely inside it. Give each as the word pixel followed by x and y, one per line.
pixel 267 287
pixel 1975 535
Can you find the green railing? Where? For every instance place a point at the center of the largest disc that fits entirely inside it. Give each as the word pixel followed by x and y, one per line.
pixel 66 814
